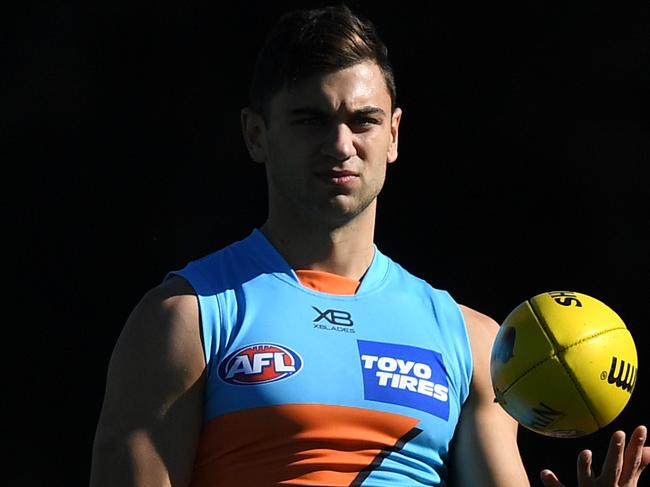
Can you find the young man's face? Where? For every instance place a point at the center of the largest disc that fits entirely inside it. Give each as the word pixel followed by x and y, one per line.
pixel 327 143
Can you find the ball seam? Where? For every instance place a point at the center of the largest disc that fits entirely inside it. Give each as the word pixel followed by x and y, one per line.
pixel 557 350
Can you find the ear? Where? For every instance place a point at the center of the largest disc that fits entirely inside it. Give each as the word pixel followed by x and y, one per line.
pixel 394 132
pixel 254 130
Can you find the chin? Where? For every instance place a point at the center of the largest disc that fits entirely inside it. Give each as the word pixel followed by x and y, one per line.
pixel 341 210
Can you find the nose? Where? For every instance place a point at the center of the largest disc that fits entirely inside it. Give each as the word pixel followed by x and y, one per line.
pixel 339 143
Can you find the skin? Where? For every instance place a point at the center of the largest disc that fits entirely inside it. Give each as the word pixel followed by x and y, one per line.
pixel 326 152
pixel 151 417
pixel 484 450
pixel 326 146
pixel 622 466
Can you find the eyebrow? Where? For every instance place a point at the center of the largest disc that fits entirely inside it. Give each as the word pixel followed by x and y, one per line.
pixel 365 110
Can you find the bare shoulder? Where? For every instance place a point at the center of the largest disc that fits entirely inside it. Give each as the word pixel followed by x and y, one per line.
pixel 172 303
pixel 480 327
pixel 157 357
pixel 163 326
pixel 175 295
pixel 482 331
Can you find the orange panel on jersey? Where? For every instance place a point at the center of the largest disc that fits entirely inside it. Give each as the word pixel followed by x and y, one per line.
pixel 296 444
pixel 327 282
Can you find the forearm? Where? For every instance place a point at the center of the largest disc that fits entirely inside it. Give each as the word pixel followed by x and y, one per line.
pixel 127 461
pixel 493 461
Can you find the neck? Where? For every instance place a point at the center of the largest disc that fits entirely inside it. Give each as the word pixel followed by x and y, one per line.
pixel 346 250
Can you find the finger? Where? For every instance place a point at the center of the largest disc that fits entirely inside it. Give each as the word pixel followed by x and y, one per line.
pixel 613 463
pixel 585 472
pixel 633 460
pixel 645 458
pixel 549 479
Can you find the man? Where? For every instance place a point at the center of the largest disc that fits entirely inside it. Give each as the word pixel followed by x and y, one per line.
pixel 302 355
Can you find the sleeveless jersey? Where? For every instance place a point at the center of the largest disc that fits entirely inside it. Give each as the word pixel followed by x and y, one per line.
pixel 315 389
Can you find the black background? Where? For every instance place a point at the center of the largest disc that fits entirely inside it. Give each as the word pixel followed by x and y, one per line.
pixel 522 169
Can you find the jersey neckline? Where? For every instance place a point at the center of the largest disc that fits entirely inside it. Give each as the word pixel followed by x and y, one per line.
pixel 266 253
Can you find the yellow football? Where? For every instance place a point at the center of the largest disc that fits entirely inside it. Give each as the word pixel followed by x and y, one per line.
pixel 563 364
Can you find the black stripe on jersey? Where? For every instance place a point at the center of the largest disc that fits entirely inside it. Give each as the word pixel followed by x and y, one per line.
pixel 363 474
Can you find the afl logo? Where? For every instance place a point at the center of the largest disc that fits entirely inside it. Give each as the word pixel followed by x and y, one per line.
pixel 259 363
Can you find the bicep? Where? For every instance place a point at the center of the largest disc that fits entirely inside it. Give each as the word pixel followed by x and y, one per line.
pixel 152 411
pixel 484 449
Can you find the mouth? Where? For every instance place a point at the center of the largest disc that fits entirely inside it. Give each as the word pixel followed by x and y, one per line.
pixel 338 177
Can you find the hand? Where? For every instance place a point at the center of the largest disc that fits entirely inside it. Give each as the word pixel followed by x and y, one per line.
pixel 622 466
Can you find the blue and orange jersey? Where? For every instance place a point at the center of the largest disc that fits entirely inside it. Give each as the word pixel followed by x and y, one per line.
pixel 317 380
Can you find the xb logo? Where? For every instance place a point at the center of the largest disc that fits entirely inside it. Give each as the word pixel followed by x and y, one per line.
pixel 334 316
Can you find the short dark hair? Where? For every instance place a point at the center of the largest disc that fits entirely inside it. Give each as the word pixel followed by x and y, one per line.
pixel 308 42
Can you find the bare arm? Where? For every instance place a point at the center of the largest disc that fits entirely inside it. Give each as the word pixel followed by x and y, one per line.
pixel 485 451
pixel 152 412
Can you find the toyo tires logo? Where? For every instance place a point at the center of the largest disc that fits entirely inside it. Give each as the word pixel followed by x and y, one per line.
pixel 406 375
pixel 259 363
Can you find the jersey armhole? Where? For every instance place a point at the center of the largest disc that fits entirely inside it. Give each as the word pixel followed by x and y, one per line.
pixel 460 340
pixel 468 346
pixel 207 333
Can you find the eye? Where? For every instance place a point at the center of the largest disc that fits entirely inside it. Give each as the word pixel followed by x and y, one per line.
pixel 365 123
pixel 369 121
pixel 310 121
